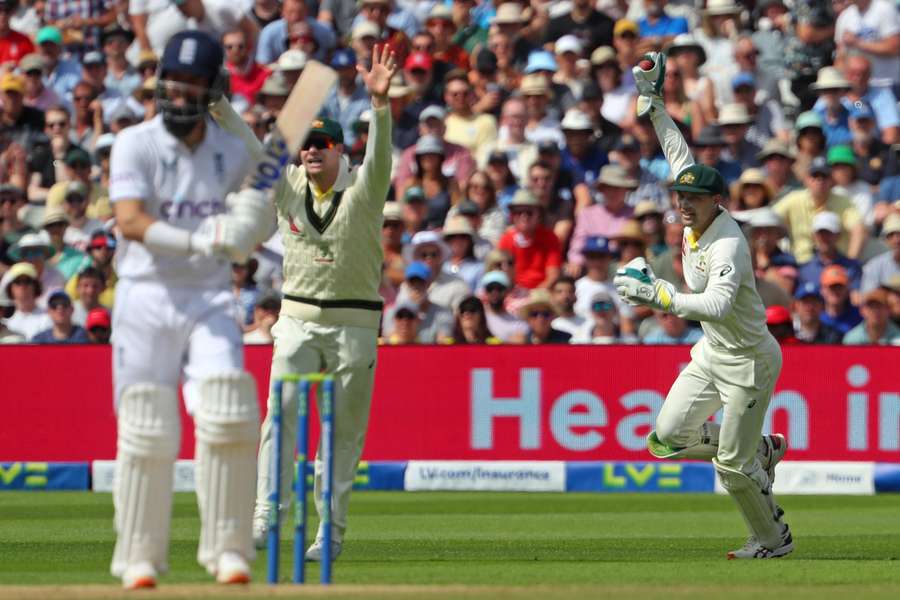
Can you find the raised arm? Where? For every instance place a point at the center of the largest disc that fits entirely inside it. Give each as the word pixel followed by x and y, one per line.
pixel 376 165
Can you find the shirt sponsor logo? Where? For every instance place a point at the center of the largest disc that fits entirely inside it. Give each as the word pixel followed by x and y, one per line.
pixel 191 210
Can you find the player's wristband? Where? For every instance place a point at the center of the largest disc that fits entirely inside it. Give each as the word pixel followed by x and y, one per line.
pixel 168 240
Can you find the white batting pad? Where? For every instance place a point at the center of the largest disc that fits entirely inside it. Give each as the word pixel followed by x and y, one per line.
pixel 149 434
pixel 753 496
pixel 227 431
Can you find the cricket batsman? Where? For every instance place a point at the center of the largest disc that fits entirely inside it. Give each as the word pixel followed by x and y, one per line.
pixel 736 363
pixel 330 221
pixel 174 320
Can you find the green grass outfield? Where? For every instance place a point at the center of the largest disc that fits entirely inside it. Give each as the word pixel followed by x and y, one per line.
pixel 490 545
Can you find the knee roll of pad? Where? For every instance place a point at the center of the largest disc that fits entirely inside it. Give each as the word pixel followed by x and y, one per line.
pixel 228 411
pixel 148 421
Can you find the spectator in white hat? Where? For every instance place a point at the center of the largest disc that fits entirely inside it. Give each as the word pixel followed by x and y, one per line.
pixel 688 55
pixel 603 325
pixel 830 85
pixel 35 249
pixel 21 284
pixel 582 154
pixel 7 308
pixel 66 259
pixel 569 50
pixel 507 327
pixel 444 289
pixel 885 267
pixel 460 239
pixel 734 123
pixel 826 228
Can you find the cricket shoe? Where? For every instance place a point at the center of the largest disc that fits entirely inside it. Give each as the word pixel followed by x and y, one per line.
pixel 314 553
pixel 753 549
pixel 771 450
pixel 232 568
pixel 139 576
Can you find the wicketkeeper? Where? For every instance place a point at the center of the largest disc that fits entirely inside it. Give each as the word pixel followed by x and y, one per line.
pixel 330 220
pixel 736 363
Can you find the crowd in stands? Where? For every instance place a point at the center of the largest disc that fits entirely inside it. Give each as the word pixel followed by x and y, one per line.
pixel 522 175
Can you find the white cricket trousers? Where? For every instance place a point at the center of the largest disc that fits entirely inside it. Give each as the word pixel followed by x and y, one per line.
pixel 739 382
pixel 348 353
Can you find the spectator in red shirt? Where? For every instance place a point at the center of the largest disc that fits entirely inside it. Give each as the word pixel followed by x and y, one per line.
pixel 441 26
pixel 247 76
pixel 534 247
pixel 13 45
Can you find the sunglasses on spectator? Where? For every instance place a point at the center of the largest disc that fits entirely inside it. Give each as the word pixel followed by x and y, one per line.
pixel 75 199
pixel 32 253
pixel 22 281
pixel 494 287
pixel 392 225
pixel 526 212
pixel 544 314
pixel 601 306
pixel 320 143
pixel 426 254
pixel 33 73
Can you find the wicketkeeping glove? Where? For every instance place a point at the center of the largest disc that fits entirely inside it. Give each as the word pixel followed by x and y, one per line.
pixel 649 83
pixel 636 284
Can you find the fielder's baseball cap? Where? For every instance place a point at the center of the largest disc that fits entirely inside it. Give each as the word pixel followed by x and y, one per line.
pixel 497 277
pixel 826 221
pixel 808 289
pixel 50 35
pixel 98 317
pixel 700 179
pixel 834 274
pixel 417 270
pixel 192 52
pixel 327 127
pixel 596 245
pixel 345 57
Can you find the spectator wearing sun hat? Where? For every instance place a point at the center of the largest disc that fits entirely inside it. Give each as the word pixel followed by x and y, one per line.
pixel 66 259
pixel 883 268
pixel 7 308
pixel 20 283
pixel 35 248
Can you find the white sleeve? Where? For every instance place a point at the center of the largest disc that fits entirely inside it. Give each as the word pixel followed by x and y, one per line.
pixel 129 178
pixel 716 302
pixel 138 7
pixel 674 146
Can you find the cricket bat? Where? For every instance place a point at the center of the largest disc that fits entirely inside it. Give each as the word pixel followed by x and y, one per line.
pixel 291 127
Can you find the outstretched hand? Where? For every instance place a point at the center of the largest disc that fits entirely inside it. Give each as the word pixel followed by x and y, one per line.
pixel 378 78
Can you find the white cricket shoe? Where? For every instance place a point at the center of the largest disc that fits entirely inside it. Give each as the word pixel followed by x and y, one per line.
pixel 139 576
pixel 232 568
pixel 771 450
pixel 314 553
pixel 260 533
pixel 753 549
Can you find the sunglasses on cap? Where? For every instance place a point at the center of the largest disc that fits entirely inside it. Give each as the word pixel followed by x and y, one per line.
pixel 319 143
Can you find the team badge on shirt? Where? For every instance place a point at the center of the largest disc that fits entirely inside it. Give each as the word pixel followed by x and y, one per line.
pixel 296 229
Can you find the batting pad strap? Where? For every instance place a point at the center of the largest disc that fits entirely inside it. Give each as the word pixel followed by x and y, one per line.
pixel 228 411
pixel 148 421
pixel 753 497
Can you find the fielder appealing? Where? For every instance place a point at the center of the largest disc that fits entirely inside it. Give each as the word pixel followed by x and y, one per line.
pixel 174 318
pixel 736 363
pixel 330 220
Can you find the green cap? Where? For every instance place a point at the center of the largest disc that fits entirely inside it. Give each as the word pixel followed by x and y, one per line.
pixel 700 179
pixel 841 155
pixel 808 119
pixel 49 34
pixel 327 127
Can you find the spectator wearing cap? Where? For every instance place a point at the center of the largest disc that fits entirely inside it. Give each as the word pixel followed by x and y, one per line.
pixel 564 297
pixel 12 199
pixel 273 39
pixel 120 75
pixel 349 99
pixel 797 210
pixel 750 191
pixel 460 237
pixel 630 242
pixel 876 328
pixel 415 212
pixel 688 55
pixel 90 284
pixel 512 145
pixel 539 313
pixel 591 26
pixel 75 203
pixel 363 38
pixel 13 45
pixel 511 20
pixel 872 28
pixel 22 285
pixel 590 102
pixel 94 72
pixel 568 52
pixel 444 289
pixel 766 117
pixel 265 315
pixel 650 219
pixel 507 327
pixel 485 80
pixel 709 147
pixel 626 36
pixel 807 308
pixel 534 247
pixel 746 53
pixel 607 216
pixel 464 127
pixel 720 25
pixel 436 321
pixel 582 154
pixel 407 321
pixel 778 321
pixel 843 163
pixel 101 251
pixel 470 325
pixel 598 255
pixel 246 76
pixel 33 248
pixel 36 94
pixel 421 72
pixel 839 314
pixel 63 330
pixel 441 191
pixel 504 182
pixel 872 155
pixel 826 227
pixel 23 125
pixel 99 326
pixel 626 153
pixel 830 85
pixel 558 208
pixel 562 98
pixel 457 160
pixel 61 74
pixel 882 100
pixel 273 94
pixel 65 259
pixel 881 269
pixel 765 230
pixel 777 158
pixel 394 265
pixel 603 325
pixel 810 141
pixel 617 94
pixel 439 23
